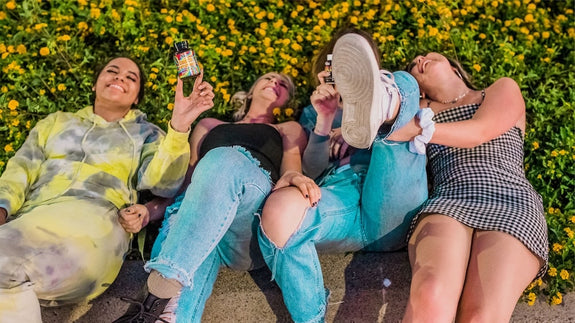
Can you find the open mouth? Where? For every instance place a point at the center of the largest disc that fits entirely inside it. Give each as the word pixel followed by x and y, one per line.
pixel 115 86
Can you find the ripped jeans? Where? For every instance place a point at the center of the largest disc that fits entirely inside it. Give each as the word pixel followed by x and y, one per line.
pixel 211 226
pixel 358 211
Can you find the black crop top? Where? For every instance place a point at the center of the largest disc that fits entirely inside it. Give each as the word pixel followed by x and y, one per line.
pixel 263 141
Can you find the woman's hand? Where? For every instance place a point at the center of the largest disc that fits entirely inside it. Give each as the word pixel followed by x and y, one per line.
pixel 306 185
pixel 133 218
pixel 406 133
pixel 325 99
pixel 188 108
pixel 338 148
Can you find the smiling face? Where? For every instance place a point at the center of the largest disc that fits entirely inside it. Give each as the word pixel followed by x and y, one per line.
pixel 118 84
pixel 274 87
pixel 430 68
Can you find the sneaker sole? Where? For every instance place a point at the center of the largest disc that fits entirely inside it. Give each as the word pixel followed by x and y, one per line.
pixel 355 71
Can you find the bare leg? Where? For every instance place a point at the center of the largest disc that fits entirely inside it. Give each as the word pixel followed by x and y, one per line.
pixel 438 252
pixel 282 214
pixel 500 268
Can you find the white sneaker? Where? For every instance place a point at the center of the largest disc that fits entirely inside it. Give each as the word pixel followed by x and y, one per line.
pixel 370 96
pixel 169 313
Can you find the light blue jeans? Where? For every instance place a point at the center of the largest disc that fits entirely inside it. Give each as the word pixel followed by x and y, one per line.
pixel 358 211
pixel 213 225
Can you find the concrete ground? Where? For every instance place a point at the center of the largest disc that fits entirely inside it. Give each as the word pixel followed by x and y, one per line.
pixel 355 280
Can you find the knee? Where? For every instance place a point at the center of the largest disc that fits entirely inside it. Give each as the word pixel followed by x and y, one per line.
pixel 429 299
pixel 282 215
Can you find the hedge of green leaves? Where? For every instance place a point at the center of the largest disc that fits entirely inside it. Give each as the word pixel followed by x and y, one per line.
pixel 49 50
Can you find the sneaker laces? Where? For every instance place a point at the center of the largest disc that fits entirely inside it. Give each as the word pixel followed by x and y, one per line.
pixel 141 315
pixel 388 82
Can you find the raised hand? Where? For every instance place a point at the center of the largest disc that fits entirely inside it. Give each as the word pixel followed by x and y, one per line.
pixel 188 108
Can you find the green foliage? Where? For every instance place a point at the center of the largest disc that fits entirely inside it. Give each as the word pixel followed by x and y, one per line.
pixel 49 50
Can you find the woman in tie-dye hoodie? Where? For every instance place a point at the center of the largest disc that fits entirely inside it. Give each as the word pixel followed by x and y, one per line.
pixel 60 239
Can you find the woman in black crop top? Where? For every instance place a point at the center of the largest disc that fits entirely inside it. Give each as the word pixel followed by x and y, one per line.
pixel 233 167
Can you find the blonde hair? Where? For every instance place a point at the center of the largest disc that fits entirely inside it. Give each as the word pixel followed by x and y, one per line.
pixel 242 100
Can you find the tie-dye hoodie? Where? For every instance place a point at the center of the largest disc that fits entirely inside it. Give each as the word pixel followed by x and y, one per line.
pixel 82 156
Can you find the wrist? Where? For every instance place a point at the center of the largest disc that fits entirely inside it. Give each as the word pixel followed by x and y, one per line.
pixel 179 128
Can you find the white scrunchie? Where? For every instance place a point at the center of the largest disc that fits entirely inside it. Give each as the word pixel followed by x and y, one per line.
pixel 417 145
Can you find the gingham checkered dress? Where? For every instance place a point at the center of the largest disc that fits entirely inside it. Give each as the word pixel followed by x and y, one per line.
pixel 485 187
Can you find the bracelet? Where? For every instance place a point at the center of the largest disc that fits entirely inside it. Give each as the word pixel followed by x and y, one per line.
pixel 418 144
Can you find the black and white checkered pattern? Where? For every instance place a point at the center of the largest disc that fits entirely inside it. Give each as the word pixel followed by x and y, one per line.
pixel 485 187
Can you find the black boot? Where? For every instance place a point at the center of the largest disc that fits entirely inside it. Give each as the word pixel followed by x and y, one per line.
pixel 147 311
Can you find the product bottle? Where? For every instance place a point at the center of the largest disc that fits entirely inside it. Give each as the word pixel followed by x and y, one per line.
pixel 185 58
pixel 328 79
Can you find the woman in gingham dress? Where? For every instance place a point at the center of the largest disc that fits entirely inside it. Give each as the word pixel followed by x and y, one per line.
pixel 481 237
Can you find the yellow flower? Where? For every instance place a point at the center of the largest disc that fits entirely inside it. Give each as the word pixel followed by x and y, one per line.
pixel 169 40
pixel 529 18
pixel 288 112
pixel 61 87
pixel 13 104
pixel 569 232
pixel 552 272
pixel 564 274
pixel 64 38
pixel 169 19
pixel 42 92
pixel 11 5
pixel 557 299
pixel 477 67
pixel 531 299
pixel 82 25
pixel 2 15
pixel 573 219
pixel 296 47
pixel 210 7
pixel 95 13
pixel 545 34
pixel 15 122
pixel 44 51
pixel 8 148
pixel 4 89
pixel 170 106
pixel 276 111
pixel 535 145
pixel 557 247
pixel 554 153
pixel 21 49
